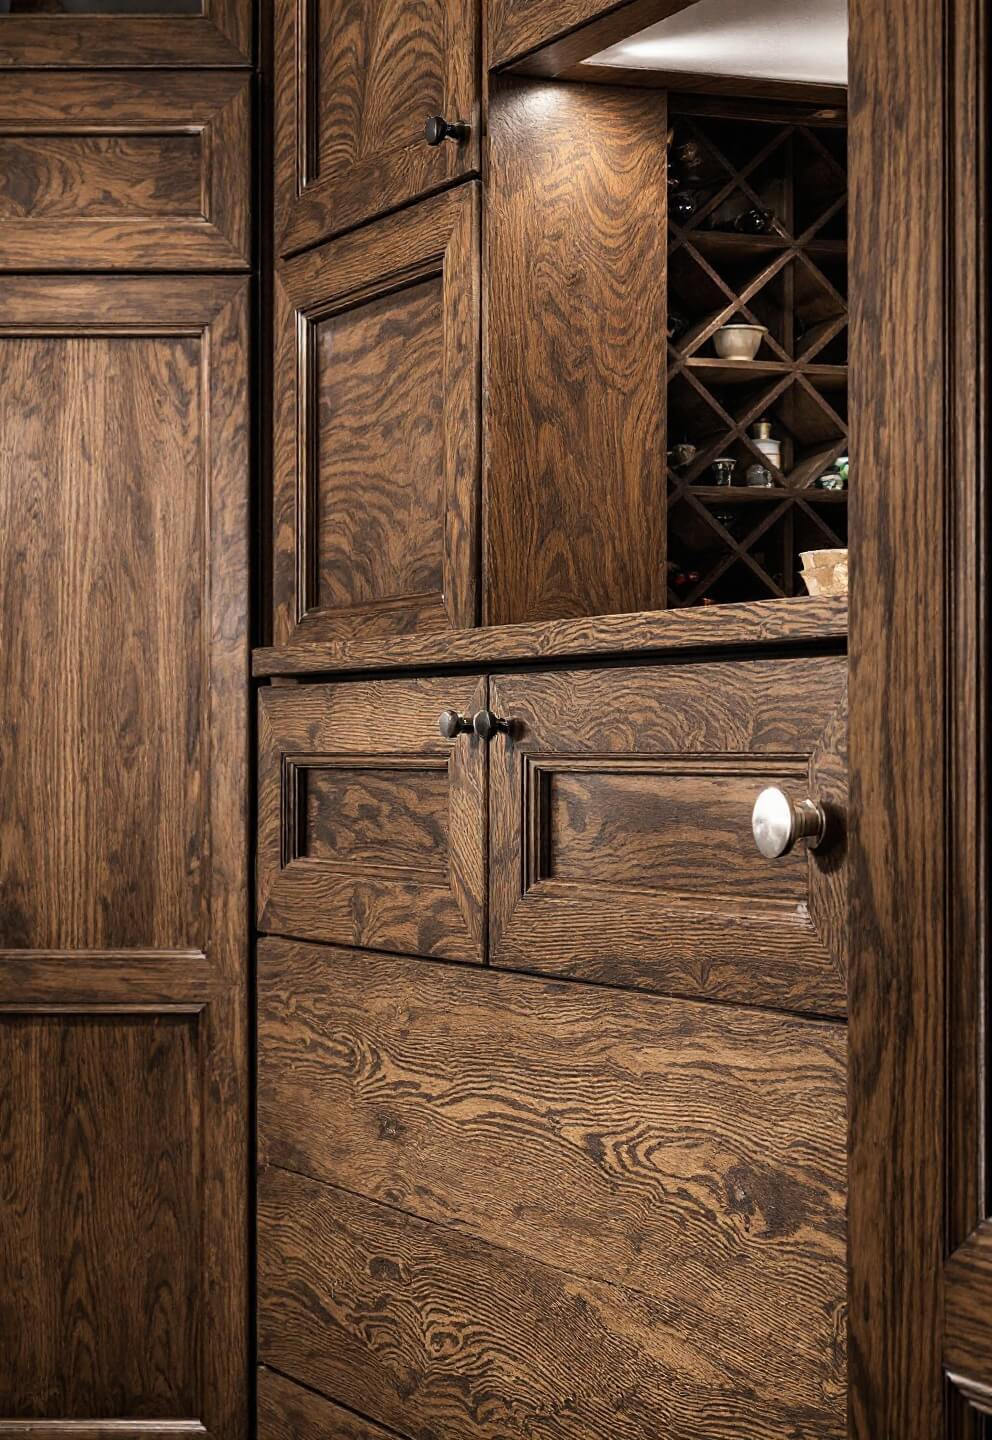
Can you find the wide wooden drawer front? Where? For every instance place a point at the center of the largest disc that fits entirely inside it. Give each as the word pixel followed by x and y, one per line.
pixel 620 829
pixel 371 826
pixel 498 1205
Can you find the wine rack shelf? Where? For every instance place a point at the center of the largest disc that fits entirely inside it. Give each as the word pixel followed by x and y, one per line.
pixel 731 174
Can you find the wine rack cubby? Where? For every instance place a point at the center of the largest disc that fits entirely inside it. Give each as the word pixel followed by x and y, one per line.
pixel 757 236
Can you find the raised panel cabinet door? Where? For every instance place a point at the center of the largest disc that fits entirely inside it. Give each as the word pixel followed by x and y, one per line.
pixel 376 510
pixel 621 848
pixel 356 81
pixel 124 899
pixel 94 34
pixel 371 825
pixel 128 171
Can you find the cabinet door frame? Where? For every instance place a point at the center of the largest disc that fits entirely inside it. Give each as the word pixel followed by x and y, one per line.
pixel 372 725
pixel 205 987
pixel 221 35
pixel 216 108
pixel 311 207
pixel 436 240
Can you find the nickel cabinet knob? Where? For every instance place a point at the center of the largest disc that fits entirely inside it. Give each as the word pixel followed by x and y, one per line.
pixel 450 724
pixel 438 129
pixel 777 822
pixel 486 724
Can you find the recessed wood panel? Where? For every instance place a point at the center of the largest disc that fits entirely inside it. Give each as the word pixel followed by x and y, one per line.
pixel 104 560
pixel 371 826
pixel 389 815
pixel 426 1327
pixel 620 829
pixel 695 1154
pixel 377 500
pixel 355 84
pixel 684 829
pixel 100 1232
pixel 128 171
pixel 379 382
pixel 576 351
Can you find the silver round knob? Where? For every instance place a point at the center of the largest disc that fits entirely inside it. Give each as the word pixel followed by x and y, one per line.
pixel 450 724
pixel 486 724
pixel 777 822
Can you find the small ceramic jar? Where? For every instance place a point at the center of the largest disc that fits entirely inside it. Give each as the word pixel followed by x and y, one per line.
pixel 723 470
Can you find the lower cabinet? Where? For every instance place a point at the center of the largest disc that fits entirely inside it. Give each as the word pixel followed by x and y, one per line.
pixel 496 1205
pixel 593 1181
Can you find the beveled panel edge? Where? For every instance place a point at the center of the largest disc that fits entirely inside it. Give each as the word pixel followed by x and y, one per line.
pixel 103 1429
pixel 798 621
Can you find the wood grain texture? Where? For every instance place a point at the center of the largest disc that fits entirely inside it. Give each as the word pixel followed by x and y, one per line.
pixel 967 1302
pixel 220 36
pixel 662 732
pixel 575 507
pixel 124 492
pixel 355 83
pixel 380 482
pixel 101 1238
pixel 798 622
pixel 566 31
pixel 597 1132
pixel 385 815
pixel 898 704
pixel 432 1331
pixel 124 171
pixel 376 508
pixel 399 890
pixel 288 1412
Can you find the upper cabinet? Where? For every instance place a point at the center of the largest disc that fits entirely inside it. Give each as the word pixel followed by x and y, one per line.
pixel 134 170
pixel 377 428
pixel 356 83
pixel 125 33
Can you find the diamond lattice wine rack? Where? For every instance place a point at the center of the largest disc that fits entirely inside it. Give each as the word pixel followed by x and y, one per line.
pixel 757 237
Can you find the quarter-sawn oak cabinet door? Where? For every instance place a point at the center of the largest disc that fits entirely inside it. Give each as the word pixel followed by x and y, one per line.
pixel 620 829
pixel 377 428
pixel 133 170
pixel 123 857
pixel 356 81
pixel 126 34
pixel 371 827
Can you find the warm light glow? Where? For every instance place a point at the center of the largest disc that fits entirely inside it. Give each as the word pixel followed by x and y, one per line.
pixel 804 40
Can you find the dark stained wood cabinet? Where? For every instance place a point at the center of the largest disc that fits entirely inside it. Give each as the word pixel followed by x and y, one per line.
pixel 356 81
pixel 377 428
pixel 123 854
pixel 543 1205
pixel 153 33
pixel 125 171
pixel 371 826
pixel 620 829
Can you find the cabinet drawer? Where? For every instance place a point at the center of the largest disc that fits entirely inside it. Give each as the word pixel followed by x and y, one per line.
pixel 622 1211
pixel 620 829
pixel 131 171
pixel 371 826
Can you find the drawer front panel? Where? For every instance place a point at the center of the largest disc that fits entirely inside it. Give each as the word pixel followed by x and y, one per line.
pixel 371 826
pixel 621 829
pixel 556 1203
pixel 125 172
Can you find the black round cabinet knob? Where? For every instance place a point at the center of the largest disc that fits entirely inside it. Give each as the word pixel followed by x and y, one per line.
pixel 437 130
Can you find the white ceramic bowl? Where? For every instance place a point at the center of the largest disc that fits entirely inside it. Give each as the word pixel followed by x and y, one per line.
pixel 739 342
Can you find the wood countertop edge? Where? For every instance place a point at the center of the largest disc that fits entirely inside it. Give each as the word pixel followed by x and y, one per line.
pixel 797 621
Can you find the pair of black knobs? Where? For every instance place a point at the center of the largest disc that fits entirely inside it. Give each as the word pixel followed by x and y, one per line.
pixel 437 130
pixel 483 723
